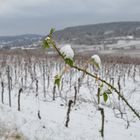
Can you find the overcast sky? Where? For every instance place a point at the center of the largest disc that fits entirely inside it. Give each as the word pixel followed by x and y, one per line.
pixel 38 16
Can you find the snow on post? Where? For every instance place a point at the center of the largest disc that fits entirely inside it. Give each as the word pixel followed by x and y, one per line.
pixel 67 51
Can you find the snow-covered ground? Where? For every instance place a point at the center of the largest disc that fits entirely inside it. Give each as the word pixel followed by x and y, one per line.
pixel 84 123
pixel 85 119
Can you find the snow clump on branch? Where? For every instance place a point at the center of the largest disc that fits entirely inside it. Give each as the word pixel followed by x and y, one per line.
pixel 67 51
pixel 96 61
pixel 47 38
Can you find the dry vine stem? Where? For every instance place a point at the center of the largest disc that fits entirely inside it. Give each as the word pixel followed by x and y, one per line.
pixel 103 121
pixel 68 112
pixel 52 42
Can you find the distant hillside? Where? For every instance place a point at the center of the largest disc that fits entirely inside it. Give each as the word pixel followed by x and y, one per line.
pixel 22 37
pixel 19 41
pixel 98 33
pixel 103 36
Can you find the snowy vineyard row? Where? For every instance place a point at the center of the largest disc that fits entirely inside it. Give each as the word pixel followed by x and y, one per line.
pixel 34 76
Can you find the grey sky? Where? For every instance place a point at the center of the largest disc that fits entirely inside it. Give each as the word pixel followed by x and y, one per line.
pixel 38 16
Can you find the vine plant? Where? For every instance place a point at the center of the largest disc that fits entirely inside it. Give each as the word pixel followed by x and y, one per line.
pixel 49 42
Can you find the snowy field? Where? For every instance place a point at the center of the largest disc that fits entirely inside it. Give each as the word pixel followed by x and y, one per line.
pixel 43 107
